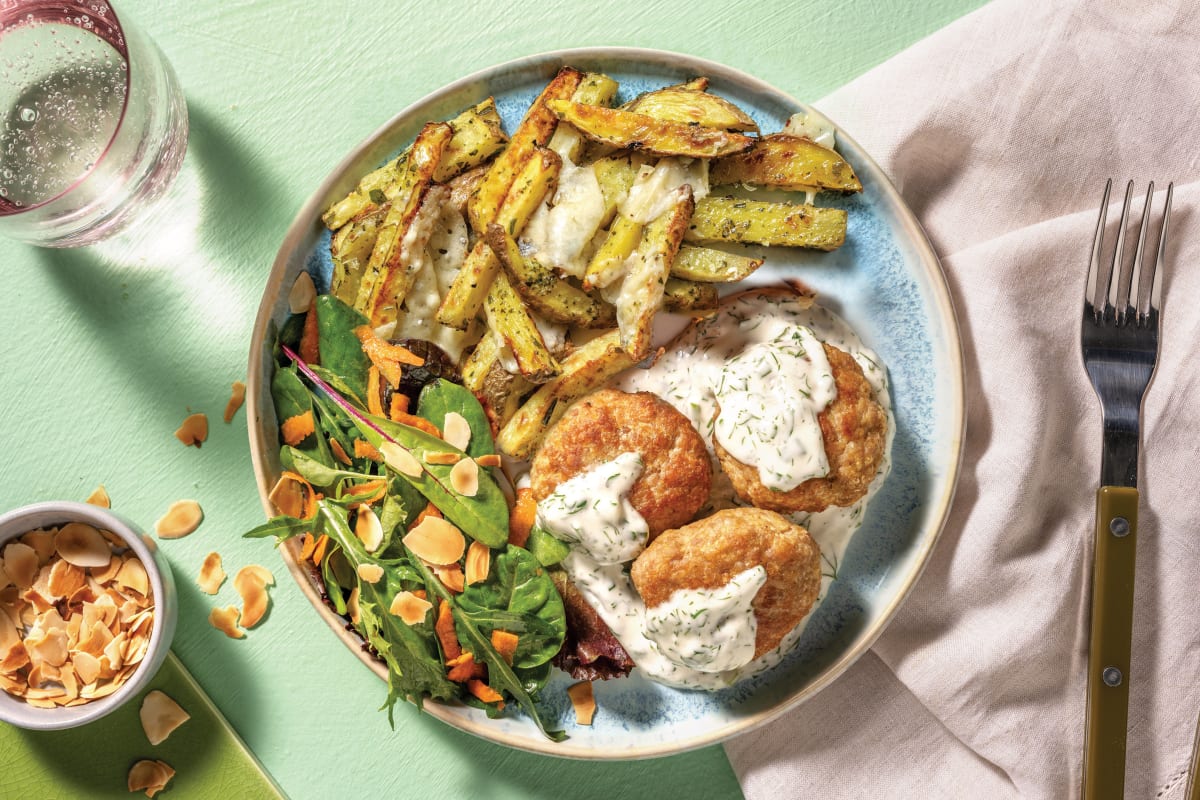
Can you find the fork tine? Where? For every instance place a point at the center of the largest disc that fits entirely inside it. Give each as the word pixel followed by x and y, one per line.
pixel 1132 266
pixel 1150 282
pixel 1105 289
pixel 1089 291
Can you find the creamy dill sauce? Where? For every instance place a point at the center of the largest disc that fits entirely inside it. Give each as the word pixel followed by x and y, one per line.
pixel 686 376
pixel 709 630
pixel 592 511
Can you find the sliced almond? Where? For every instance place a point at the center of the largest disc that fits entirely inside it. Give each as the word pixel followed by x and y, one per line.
pixel 410 608
pixel 132 575
pixel 114 651
pixel 302 293
pixel 194 430
pixel 479 562
pixel 66 578
pixel 464 478
pixel 442 458
pixel 368 529
pixel 8 633
pixel 583 701
pixel 437 541
pixel 42 543
pixel 251 583
pixel 152 776
pixel 82 545
pixel 182 517
pixel 489 460
pixel 17 657
pixel 352 606
pixel 21 563
pixel 99 497
pixel 5 581
pixel 226 621
pixel 237 396
pixel 294 496
pixel 86 665
pixel 456 430
pixel 50 649
pixel 212 574
pixel 371 573
pixel 451 577
pixel 160 715
pixel 401 460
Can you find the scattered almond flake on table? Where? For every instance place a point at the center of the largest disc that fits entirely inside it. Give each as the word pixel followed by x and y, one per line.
pixel 194 430
pixel 151 776
pixel 160 716
pixel 99 497
pixel 251 583
pixel 226 621
pixel 583 701
pixel 182 517
pixel 212 575
pixel 237 396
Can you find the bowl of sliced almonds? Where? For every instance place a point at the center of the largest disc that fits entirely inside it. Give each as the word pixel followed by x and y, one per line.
pixel 87 612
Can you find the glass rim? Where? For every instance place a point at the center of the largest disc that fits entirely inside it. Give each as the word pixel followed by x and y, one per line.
pixel 108 28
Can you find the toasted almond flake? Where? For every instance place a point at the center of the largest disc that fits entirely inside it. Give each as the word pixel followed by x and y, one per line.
pixel 21 564
pixel 302 293
pixel 339 452
pixel 8 633
pixel 133 576
pixel 194 430
pixel 364 449
pixel 212 575
pixel 456 430
pixel 451 577
pixel 106 573
pixel 464 478
pixel 400 459
pixel 489 460
pixel 16 658
pixel 5 581
pixel 182 517
pixel 42 543
pixel 479 561
pixel 86 665
pixel 368 529
pixel 583 701
pixel 82 545
pixel 295 430
pixel 442 458
pixel 437 541
pixel 225 620
pixel 99 497
pixel 152 776
pixel 371 573
pixel 294 496
pixel 66 578
pixel 237 396
pixel 352 606
pixel 410 608
pixel 50 649
pixel 114 651
pixel 160 715
pixel 251 583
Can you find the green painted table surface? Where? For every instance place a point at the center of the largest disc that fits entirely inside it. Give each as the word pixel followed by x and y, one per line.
pixel 109 348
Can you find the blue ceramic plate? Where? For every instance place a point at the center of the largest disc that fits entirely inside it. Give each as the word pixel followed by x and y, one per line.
pixel 885 282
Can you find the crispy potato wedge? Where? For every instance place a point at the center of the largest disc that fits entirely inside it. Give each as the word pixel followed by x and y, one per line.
pixel 641 292
pixel 499 391
pixel 588 368
pixel 705 265
pixel 596 89
pixel 351 249
pixel 689 297
pixel 630 129
pixel 536 178
pixel 609 262
pixel 509 317
pixel 470 287
pixel 463 186
pixel 693 108
pixel 546 292
pixel 787 162
pixel 535 130
pixel 732 219
pixel 477 136
pixel 615 174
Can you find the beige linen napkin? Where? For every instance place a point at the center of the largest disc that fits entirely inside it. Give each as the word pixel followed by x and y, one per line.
pixel 1000 131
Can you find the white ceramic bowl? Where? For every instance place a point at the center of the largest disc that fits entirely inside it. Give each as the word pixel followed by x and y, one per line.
pixel 166 610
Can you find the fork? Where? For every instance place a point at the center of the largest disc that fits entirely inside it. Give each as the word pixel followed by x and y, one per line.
pixel 1120 348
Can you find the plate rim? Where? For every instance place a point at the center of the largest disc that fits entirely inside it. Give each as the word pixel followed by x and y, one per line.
pixel 309 216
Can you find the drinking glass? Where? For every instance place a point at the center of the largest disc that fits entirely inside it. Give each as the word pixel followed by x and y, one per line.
pixel 93 125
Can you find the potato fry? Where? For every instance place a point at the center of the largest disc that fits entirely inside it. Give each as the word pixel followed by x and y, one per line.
pixel 535 130
pixel 693 108
pixel 731 219
pixel 630 129
pixel 586 369
pixel 689 297
pixel 787 162
pixel 509 317
pixel 536 178
pixel 609 262
pixel 499 391
pixel 615 174
pixel 547 293
pixel 470 287
pixel 351 249
pixel 706 265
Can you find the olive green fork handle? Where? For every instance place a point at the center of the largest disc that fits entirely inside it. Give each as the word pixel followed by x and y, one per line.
pixel 1112 631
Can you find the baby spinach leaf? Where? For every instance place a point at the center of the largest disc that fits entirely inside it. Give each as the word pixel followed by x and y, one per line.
pixel 341 351
pixel 547 548
pixel 335 380
pixel 441 397
pixel 313 470
pixel 519 597
pixel 292 398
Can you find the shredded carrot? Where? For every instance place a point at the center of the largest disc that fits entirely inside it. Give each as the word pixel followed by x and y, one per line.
pixel 294 496
pixel 374 404
pixel 488 460
pixel 420 423
pixel 318 553
pixel 462 668
pixel 307 543
pixel 419 593
pixel 384 349
pixel 310 347
pixel 368 488
pixel 364 449
pixel 522 517
pixel 430 510
pixel 400 403
pixel 298 428
pixel 485 693
pixel 505 644
pixel 444 628
pixel 339 452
